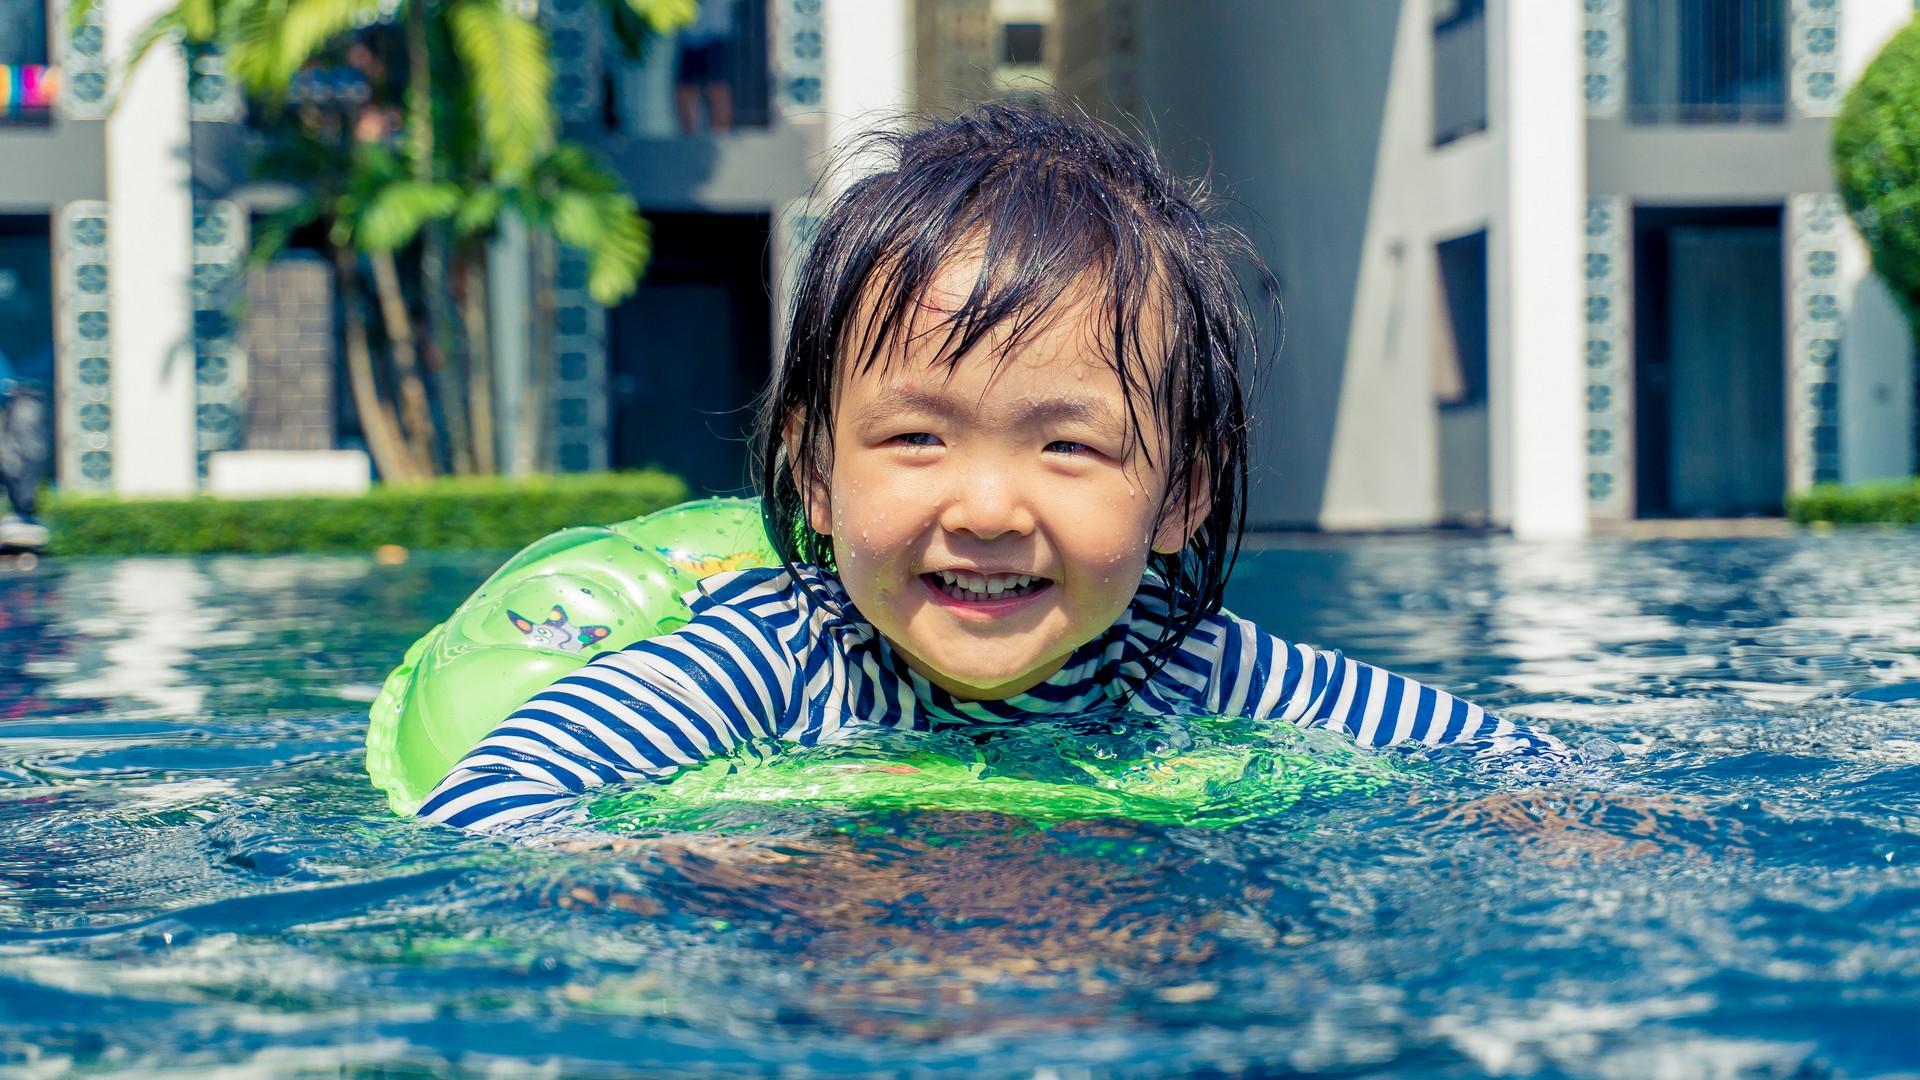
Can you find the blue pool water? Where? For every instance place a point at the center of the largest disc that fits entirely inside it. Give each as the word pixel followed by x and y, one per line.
pixel 196 878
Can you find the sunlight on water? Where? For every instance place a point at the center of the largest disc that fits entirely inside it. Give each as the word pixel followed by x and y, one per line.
pixel 198 880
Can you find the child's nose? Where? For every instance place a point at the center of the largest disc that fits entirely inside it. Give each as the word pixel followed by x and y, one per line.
pixel 987 503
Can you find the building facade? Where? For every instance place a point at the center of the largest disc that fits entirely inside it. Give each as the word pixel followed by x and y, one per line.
pixel 1542 263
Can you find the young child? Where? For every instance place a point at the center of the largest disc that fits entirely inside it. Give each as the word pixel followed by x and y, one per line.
pixel 1005 463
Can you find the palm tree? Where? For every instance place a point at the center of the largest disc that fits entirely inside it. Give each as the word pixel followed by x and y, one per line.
pixel 477 139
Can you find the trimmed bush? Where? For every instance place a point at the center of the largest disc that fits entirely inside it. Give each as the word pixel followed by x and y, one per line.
pixel 477 513
pixel 1876 163
pixel 1881 501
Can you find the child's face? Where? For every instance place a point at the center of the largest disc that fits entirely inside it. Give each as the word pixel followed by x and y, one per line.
pixel 991 517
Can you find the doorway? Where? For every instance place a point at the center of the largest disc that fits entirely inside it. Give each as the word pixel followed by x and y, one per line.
pixel 689 352
pixel 1710 362
pixel 1460 380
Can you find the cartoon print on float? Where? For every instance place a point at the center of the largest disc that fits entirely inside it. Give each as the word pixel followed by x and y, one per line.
pixel 698 566
pixel 558 632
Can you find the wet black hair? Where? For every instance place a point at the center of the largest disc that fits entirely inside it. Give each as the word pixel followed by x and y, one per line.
pixel 1050 200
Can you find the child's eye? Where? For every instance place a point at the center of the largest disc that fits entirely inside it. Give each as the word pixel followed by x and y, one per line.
pixel 1068 446
pixel 916 438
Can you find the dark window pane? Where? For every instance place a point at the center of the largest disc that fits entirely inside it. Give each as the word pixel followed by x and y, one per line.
pixel 1707 61
pixel 1024 44
pixel 23 32
pixel 1459 70
pixel 26 86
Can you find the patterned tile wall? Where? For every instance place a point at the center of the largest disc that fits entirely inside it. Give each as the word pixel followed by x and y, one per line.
pixel 579 409
pixel 799 55
pixel 81 335
pixel 1814 42
pixel 219 362
pixel 1815 229
pixel 83 65
pixel 580 423
pixel 1609 359
pixel 573 26
pixel 211 95
pixel 1604 46
pixel 289 339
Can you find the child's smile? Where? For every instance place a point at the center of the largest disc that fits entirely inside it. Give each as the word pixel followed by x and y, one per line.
pixel 992 516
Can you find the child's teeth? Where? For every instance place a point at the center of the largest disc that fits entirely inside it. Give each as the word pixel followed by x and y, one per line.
pixel 961 581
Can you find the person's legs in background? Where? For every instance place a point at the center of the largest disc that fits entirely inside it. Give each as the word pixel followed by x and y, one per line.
pixel 23 440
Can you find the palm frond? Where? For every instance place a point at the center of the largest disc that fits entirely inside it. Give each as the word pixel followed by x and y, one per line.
pixel 613 234
pixel 664 16
pixel 506 57
pixel 635 23
pixel 479 211
pixel 272 233
pixel 270 40
pixel 398 211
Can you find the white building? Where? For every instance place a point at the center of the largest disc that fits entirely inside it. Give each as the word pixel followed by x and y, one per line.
pixel 1544 262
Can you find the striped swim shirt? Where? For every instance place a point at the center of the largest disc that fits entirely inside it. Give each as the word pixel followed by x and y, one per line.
pixel 768 657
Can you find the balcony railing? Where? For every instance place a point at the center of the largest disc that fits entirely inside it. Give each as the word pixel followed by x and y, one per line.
pixel 1707 61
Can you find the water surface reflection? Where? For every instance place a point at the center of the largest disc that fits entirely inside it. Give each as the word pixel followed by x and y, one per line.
pixel 198 877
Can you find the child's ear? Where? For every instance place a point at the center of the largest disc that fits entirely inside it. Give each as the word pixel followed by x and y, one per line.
pixel 811 485
pixel 1186 511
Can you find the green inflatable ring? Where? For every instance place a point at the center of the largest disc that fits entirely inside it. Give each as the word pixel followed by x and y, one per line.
pixel 579 592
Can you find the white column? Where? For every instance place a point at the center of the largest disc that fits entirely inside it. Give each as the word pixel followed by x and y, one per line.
pixel 1546 120
pixel 866 81
pixel 150 248
pixel 510 291
pixel 869 65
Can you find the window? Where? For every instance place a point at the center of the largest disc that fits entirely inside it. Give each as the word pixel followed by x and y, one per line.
pixel 26 83
pixel 1459 69
pixel 1707 61
pixel 1023 44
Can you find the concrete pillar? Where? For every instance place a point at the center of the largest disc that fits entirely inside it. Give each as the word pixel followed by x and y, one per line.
pixel 510 292
pixel 868 65
pixel 1539 426
pixel 864 75
pixel 150 246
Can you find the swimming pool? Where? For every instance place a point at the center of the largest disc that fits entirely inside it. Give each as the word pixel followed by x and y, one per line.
pixel 196 875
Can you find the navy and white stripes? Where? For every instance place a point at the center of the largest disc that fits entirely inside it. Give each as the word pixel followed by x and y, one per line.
pixel 769 656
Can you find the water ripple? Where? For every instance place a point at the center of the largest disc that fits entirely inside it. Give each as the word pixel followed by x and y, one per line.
pixel 197 878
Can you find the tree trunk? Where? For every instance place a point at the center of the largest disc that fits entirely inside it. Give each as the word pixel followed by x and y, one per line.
pixel 414 407
pixel 377 423
pixel 442 351
pixel 530 448
pixel 450 375
pixel 479 335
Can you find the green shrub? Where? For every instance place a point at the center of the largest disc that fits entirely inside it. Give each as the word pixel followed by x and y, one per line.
pixel 479 513
pixel 1876 163
pixel 1876 501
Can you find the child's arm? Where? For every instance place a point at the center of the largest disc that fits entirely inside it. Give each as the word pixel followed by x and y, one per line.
pixel 638 714
pixel 1260 676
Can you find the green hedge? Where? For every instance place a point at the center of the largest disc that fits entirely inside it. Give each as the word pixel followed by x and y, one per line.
pixel 479 513
pixel 1880 501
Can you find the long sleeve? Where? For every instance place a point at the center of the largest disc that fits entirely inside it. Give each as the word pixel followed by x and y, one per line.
pixel 642 713
pixel 1238 669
